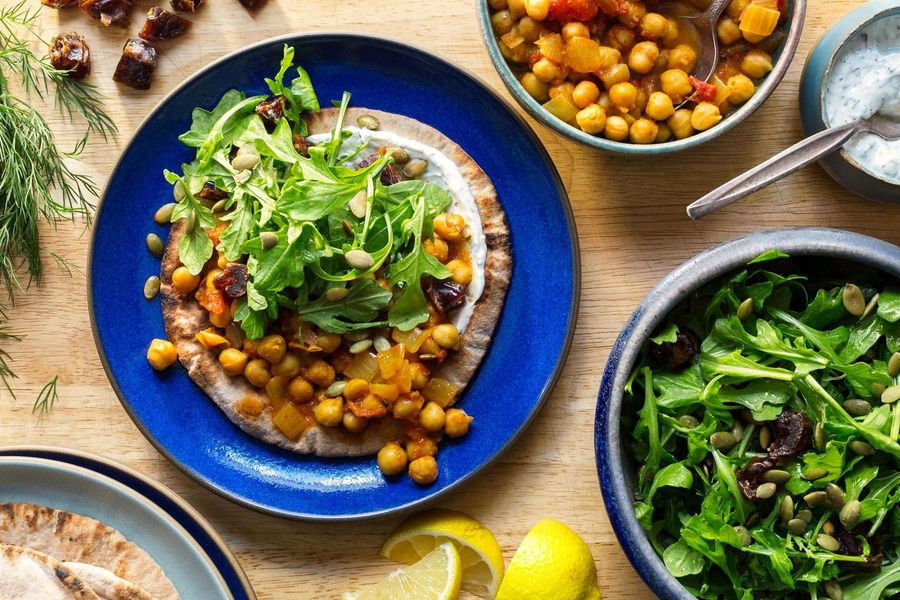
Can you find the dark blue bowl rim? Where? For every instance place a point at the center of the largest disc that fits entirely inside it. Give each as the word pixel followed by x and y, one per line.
pixel 656 305
pixel 161 496
pixel 574 248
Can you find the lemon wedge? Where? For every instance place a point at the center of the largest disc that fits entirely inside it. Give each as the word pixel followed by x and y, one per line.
pixel 436 577
pixel 552 563
pixel 479 552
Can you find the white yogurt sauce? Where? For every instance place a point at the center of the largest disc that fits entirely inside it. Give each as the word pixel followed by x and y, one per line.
pixel 865 76
pixel 443 172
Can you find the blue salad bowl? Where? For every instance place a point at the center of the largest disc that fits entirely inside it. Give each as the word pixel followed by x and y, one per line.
pixel 839 165
pixel 834 250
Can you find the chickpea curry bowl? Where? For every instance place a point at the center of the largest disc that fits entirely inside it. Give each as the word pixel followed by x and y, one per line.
pixel 620 74
pixel 332 277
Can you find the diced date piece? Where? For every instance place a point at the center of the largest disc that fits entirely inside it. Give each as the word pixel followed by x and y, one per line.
pixel 677 354
pixel 136 64
pixel 751 476
pixel 70 52
pixel 302 145
pixel 188 5
pixel 271 110
pixel 108 12
pixel 446 295
pixel 389 175
pixel 211 192
pixel 59 3
pixel 232 281
pixel 794 431
pixel 252 5
pixel 163 25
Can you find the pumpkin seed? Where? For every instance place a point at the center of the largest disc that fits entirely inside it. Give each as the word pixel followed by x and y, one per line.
pixel 828 528
pixel 894 364
pixel 381 344
pixel 163 214
pixel 267 240
pixel 360 346
pixel 245 162
pixel 367 121
pixel 747 416
pixel 805 515
pixel 242 176
pixel 850 513
pixel 827 542
pixel 797 526
pixel 358 204
pixel 766 491
pixel 746 540
pixel 765 438
pixel 835 495
pixel 400 155
pixel 348 228
pixel 178 192
pixel 857 408
pixel 723 440
pixel 155 244
pixel 745 310
pixel 870 307
pixel 359 259
pixel 415 168
pixel 861 447
pixel 336 293
pixel 854 301
pixel 891 394
pixel 776 476
pixel 753 520
pixel 878 390
pixel 355 336
pixel 688 421
pixel 817 498
pixel 151 287
pixel 786 509
pixel 834 591
pixel 814 473
pixel 737 430
pixel 220 205
pixel 819 436
pixel 335 389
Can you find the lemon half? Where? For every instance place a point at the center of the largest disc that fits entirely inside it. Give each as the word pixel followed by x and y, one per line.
pixel 436 577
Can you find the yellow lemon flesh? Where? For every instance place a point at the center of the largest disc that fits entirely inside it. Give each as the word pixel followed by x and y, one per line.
pixel 479 552
pixel 552 563
pixel 436 577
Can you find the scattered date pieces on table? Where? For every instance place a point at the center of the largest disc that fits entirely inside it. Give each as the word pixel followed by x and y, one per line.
pixel 60 3
pixel 163 25
pixel 186 5
pixel 136 65
pixel 109 12
pixel 70 52
pixel 252 5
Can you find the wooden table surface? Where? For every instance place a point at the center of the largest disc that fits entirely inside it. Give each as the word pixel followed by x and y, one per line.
pixel 632 228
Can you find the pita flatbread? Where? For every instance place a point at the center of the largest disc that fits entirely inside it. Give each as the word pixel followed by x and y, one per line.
pixel 184 317
pixel 70 537
pixel 106 585
pixel 26 574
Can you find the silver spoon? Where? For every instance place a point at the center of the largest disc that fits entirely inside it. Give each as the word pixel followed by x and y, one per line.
pixel 794 158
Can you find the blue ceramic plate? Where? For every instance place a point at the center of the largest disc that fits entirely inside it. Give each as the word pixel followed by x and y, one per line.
pixel 531 340
pixel 79 490
pixel 163 498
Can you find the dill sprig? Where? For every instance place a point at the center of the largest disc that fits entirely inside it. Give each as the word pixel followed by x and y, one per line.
pixel 46 399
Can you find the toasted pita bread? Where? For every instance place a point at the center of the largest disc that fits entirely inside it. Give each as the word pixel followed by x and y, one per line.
pixel 26 574
pixel 184 317
pixel 105 583
pixel 70 537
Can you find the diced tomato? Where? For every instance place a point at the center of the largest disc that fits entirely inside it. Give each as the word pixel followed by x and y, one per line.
pixel 705 92
pixel 572 10
pixel 212 300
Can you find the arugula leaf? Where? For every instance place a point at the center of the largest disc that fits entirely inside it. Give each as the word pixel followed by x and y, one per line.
pixel 765 398
pixel 282 265
pixel 253 322
pixel 669 334
pixel 767 256
pixel 682 560
pixel 825 309
pixel 195 247
pixel 229 125
pixel 739 366
pixel 889 304
pixel 863 336
pixel 873 587
pixel 202 121
pixel 242 220
pixel 300 95
pixel 310 200
pixel 355 311
pixel 674 475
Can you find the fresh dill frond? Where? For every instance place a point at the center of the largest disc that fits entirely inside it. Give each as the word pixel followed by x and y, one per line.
pixel 46 400
pixel 6 372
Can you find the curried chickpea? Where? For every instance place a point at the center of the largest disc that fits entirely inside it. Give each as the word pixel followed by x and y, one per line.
pixel 425 447
pixel 420 375
pixel 631 13
pixel 548 71
pixel 616 128
pixel 620 37
pixel 423 471
pixel 609 57
pixel 257 372
pixel 502 22
pixel 643 57
pixel 536 88
pixel 300 390
pixel 586 92
pixel 446 335
pixel 659 106
pixel 742 88
pixel 574 29
pixel 654 26
pixel 756 64
pixel 432 417
pixel 272 348
pixel 604 103
pixel 320 373
pixel 438 248
pixel 680 123
pixel 354 424
pixel 404 408
pixel 682 57
pixel 728 31
pixel 161 354
pixel 460 271
pixel 329 412
pixel 537 9
pixel 392 459
pixel 643 131
pixel 497 4
pixel 449 226
pixel 664 134
pixel 233 361
pixel 564 89
pixel 529 29
pixel 289 366
pixel 276 389
pixel 183 281
pixel 516 8
pixel 623 96
pixel 591 119
pixel 676 84
pixel 456 423
pixel 616 74
pixel 356 389
pixel 736 8
pixel 328 342
pixel 706 114
pixel 672 36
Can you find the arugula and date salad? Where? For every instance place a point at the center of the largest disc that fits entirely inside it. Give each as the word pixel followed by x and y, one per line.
pixel 766 424
pixel 332 276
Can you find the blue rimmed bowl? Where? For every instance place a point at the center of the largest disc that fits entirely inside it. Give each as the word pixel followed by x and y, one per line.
pixel 843 249
pixel 782 58
pixel 840 165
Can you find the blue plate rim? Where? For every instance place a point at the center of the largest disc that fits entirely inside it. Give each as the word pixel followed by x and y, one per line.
pixel 574 247
pixel 85 460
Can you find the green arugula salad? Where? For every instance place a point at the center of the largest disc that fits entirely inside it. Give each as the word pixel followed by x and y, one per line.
pixel 765 420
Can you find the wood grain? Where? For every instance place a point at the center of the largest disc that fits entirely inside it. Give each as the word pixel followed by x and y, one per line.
pixel 632 227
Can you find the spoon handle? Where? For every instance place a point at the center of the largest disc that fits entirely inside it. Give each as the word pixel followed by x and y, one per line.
pixel 781 165
pixel 716 9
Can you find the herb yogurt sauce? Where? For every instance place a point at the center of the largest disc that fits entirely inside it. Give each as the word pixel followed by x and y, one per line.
pixel 865 76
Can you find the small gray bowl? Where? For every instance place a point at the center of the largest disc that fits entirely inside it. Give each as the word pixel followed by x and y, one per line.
pixel 615 467
pixel 782 57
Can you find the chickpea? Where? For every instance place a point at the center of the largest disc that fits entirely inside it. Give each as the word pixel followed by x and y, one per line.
pixel 257 372
pixel 737 8
pixel 529 29
pixel 423 471
pixel 706 114
pixel 300 390
pixel 420 375
pixel 404 408
pixel 536 88
pixel 548 71
pixel 289 366
pixel 591 119
pixel 680 123
pixel 516 8
pixel 619 37
pixel 183 281
pixel 497 4
pixel 272 348
pixel 320 373
pixel 460 271
pixel 356 389
pixel 664 134
pixel 329 412
pixel 609 57
pixel 662 61
pixel 672 35
pixel 277 388
pixel 574 29
pixel 728 31
pixel 616 74
pixel 654 26
pixel 456 423
pixel 753 38
pixel 604 103
pixel 659 106
pixel 446 335
pixel 220 320
pixel 756 64
pixel 563 89
pixel 683 57
pixel 432 417
pixel 643 57
pixel 742 89
pixel 537 9
pixel 586 92
pixel 640 101
pixel 616 128
pixel 438 248
pixel 502 22
pixel 392 459
pixel 426 447
pixel 233 361
pixel 449 226
pixel 676 84
pixel 631 13
pixel 354 424
pixel 623 96
pixel 161 354
pixel 328 342
pixel 643 131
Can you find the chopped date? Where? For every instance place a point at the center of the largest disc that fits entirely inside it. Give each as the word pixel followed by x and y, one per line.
pixel 446 295
pixel 794 431
pixel 389 175
pixel 70 52
pixel 108 12
pixel 163 25
pixel 186 5
pixel 751 476
pixel 852 545
pixel 271 110
pixel 211 192
pixel 136 64
pixel 59 3
pixel 677 354
pixel 251 5
pixel 232 281
pixel 302 145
